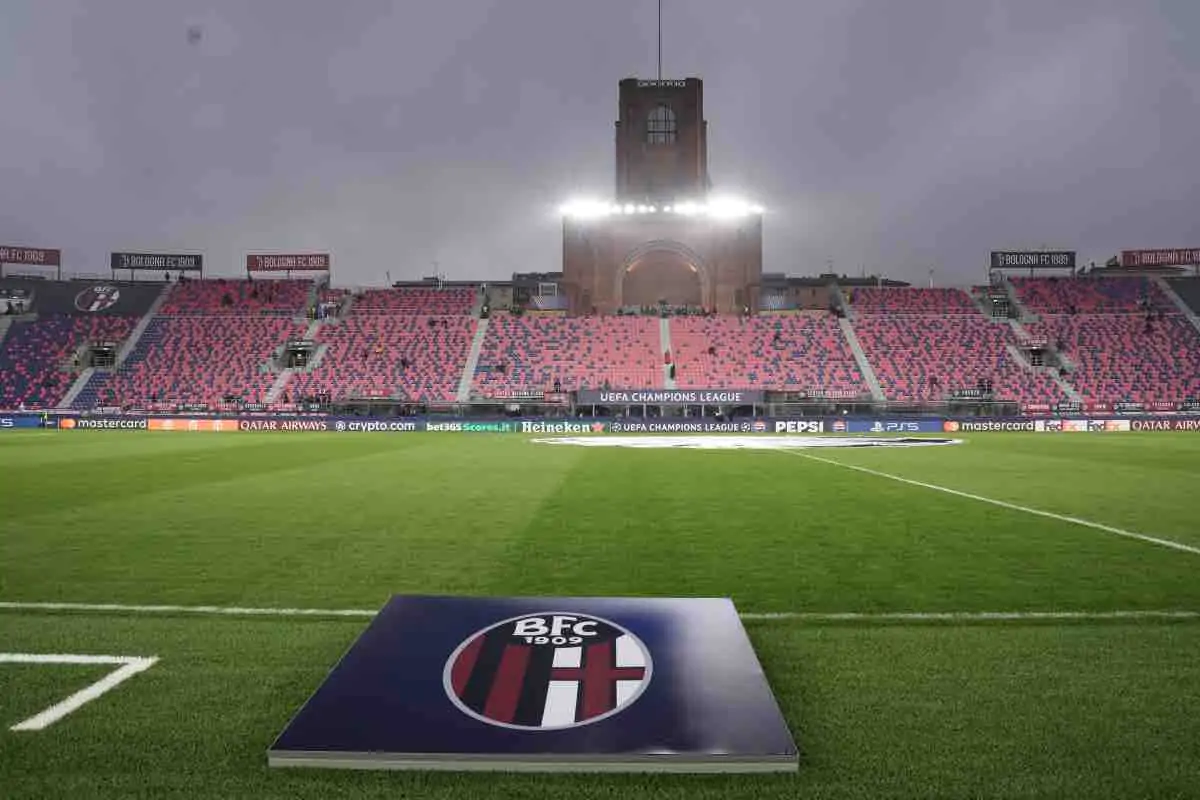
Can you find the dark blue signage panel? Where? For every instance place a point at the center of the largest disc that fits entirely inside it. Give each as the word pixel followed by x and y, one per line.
pixel 545 684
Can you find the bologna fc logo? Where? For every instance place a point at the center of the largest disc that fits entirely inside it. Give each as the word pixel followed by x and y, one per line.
pixel 97 298
pixel 547 672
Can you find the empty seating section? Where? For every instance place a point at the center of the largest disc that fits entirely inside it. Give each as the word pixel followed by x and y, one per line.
pixel 805 351
pixel 918 358
pixel 1124 358
pixel 34 353
pixel 905 300
pixel 389 355
pixel 428 300
pixel 1085 295
pixel 197 359
pixel 241 297
pixel 1188 290
pixel 533 351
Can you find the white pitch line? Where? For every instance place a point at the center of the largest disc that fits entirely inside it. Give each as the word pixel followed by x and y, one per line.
pixel 212 611
pixel 966 616
pixel 129 666
pixel 811 616
pixel 1037 512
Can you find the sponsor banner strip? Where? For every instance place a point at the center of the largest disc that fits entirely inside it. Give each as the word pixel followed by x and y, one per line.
pixel 32 256
pixel 589 397
pixel 1163 257
pixel 174 262
pixel 293 262
pixel 1033 259
pixel 765 425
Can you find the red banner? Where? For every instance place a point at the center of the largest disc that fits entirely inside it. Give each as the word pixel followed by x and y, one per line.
pixel 296 262
pixel 1185 256
pixel 31 255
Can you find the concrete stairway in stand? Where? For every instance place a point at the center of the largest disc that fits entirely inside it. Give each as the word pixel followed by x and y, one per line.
pixel 860 356
pixel 664 340
pixel 467 379
pixel 285 375
pixel 143 323
pixel 1169 291
pixel 123 351
pixel 1018 356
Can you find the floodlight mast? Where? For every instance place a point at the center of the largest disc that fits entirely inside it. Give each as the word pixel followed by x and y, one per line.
pixel 660 40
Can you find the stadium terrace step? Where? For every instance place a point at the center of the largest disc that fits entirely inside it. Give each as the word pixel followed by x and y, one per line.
pixel 536 352
pixel 925 357
pixel 911 300
pixel 418 300
pixel 864 366
pixel 1023 312
pixel 195 359
pixel 281 382
pixel 129 344
pixel 664 342
pixel 1189 286
pixel 379 351
pixel 1127 357
pixel 801 352
pixel 463 394
pixel 32 355
pixel 1087 295
pixel 239 297
pixel 78 386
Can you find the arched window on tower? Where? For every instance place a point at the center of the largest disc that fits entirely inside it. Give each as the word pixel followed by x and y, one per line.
pixel 660 126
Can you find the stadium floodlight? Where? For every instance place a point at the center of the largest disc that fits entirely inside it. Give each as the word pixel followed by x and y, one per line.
pixel 587 209
pixel 716 208
pixel 732 208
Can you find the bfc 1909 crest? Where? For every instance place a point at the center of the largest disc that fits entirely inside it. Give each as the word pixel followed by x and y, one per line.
pixel 547 671
pixel 97 298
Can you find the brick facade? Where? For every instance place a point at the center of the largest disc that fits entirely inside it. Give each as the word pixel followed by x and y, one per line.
pixel 640 259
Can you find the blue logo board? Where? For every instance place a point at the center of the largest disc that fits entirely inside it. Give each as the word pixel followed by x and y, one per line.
pixel 545 684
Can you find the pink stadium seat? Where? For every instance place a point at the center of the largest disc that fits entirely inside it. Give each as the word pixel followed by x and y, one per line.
pixel 533 351
pixel 797 352
pixel 1123 358
pixel 425 300
pixel 241 297
pixel 1086 295
pixel 366 356
pixel 909 353
pixel 196 359
pixel 34 353
pixel 911 300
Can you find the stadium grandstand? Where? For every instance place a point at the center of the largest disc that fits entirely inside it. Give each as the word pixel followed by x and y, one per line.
pixel 223 342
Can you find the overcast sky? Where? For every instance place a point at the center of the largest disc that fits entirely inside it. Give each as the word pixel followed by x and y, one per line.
pixel 893 135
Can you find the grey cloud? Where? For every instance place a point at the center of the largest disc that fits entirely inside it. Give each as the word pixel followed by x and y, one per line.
pixel 893 135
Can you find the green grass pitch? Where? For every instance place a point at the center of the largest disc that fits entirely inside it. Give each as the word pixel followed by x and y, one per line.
pixel 1018 708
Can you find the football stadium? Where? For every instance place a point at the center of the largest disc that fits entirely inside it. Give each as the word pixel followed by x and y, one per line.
pixel 656 520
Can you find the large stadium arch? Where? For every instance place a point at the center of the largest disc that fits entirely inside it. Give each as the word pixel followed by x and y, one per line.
pixel 663 270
